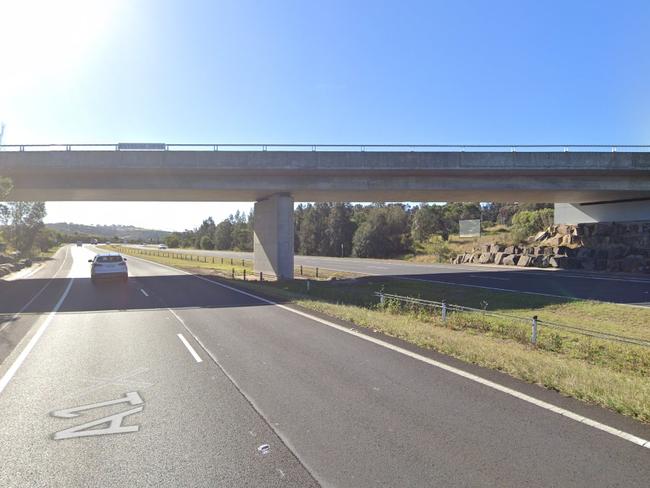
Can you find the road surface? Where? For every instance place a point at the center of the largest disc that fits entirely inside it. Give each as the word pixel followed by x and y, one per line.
pixel 609 287
pixel 176 380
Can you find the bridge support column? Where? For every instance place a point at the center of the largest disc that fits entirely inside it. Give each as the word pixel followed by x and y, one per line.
pixel 631 210
pixel 273 239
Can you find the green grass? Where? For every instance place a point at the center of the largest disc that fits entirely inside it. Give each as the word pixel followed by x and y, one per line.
pixel 607 373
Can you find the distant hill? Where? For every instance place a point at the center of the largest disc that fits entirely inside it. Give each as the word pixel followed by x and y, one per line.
pixel 110 231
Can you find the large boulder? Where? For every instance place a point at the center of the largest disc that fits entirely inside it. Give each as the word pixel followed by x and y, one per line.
pixel 511 259
pixel 525 260
pixel 486 258
pixel 512 250
pixel 499 257
pixel 540 236
pixel 495 248
pixel 634 263
pixel 558 261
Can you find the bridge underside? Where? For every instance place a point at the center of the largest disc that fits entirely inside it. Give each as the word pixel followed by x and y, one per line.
pixel 598 185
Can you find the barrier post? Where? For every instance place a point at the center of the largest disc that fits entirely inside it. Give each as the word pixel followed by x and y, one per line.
pixel 533 337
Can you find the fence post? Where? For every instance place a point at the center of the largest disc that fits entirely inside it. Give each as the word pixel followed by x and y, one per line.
pixel 233 273
pixel 444 311
pixel 230 261
pixel 316 272
pixel 533 337
pixel 301 270
pixel 244 274
pixel 261 276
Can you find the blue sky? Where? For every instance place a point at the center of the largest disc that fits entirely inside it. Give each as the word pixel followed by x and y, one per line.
pixel 318 72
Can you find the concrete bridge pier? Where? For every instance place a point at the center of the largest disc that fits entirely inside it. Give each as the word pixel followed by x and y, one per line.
pixel 629 210
pixel 273 236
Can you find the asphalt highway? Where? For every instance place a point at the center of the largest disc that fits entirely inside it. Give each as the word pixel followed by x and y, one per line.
pixel 609 287
pixel 177 380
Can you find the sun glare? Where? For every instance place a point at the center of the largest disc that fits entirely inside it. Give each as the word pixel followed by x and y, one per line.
pixel 40 38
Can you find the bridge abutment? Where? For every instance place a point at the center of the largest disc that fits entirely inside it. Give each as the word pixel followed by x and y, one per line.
pixel 633 210
pixel 273 236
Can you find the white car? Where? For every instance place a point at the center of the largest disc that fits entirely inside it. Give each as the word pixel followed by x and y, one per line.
pixel 108 265
pixel 162 246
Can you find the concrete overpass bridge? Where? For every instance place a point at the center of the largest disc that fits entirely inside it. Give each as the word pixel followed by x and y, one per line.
pixel 587 183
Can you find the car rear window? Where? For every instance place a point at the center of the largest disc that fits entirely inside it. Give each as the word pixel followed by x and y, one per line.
pixel 109 259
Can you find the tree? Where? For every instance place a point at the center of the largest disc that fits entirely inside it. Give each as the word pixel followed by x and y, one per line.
pixel 528 222
pixel 173 240
pixel 340 230
pixel 23 221
pixel 312 233
pixel 384 233
pixel 206 243
pixel 223 235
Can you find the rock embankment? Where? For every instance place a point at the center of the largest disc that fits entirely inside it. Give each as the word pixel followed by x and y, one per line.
pixel 595 247
pixel 9 264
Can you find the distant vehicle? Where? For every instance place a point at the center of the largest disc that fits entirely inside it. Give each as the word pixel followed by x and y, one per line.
pixel 79 243
pixel 162 246
pixel 94 241
pixel 108 265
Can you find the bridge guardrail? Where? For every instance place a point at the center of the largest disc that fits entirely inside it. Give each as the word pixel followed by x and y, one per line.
pixel 122 146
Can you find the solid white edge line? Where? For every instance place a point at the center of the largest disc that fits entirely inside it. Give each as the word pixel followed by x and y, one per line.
pixel 194 354
pixel 38 293
pixel 470 376
pixel 30 345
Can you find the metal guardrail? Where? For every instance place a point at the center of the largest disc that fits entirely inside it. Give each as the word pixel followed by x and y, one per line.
pixel 534 322
pixel 123 146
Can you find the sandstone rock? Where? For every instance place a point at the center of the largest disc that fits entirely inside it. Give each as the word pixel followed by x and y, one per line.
pixel 499 257
pixel 558 261
pixel 633 263
pixel 486 258
pixel 511 259
pixel 495 248
pixel 585 253
pixel 525 260
pixel 485 247
pixel 587 264
pixel 512 250
pixel 540 236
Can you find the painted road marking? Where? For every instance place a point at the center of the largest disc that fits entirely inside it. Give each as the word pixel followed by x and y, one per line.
pixel 38 293
pixel 196 357
pixel 144 292
pixel 114 421
pixel 30 345
pixel 457 371
pixel 133 398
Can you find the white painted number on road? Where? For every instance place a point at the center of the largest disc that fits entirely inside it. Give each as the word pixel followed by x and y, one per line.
pixel 114 422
